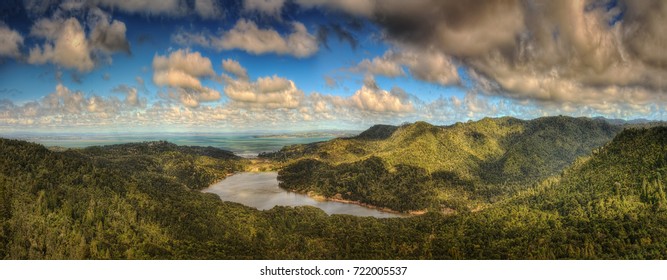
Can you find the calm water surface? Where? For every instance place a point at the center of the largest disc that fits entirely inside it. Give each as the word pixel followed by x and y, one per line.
pixel 260 190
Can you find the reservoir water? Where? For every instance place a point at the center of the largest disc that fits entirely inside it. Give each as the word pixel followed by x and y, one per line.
pixel 260 190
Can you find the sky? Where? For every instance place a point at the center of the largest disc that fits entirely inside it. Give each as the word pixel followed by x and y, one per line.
pixel 295 65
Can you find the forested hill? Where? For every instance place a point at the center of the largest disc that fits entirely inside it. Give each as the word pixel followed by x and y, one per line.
pixel 82 204
pixel 120 201
pixel 609 205
pixel 463 166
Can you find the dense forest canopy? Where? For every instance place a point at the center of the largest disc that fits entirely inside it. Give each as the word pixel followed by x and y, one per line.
pixel 141 201
pixel 462 167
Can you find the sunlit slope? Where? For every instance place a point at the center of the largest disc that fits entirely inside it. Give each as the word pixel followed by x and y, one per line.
pixel 466 163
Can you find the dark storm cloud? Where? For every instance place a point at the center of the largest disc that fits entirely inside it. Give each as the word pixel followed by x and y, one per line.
pixel 597 54
pixel 462 28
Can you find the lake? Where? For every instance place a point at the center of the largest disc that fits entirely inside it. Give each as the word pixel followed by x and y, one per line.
pixel 260 190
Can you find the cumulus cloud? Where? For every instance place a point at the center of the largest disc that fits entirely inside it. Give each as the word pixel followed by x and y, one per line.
pixel 109 35
pixel 63 107
pixel 247 36
pixel 430 65
pixel 234 67
pixel 10 42
pixel 207 9
pixel 369 102
pixel 181 71
pixel 371 98
pixel 193 98
pixel 266 92
pixel 68 108
pixel 427 65
pixel 386 65
pixel 576 53
pixel 590 63
pixel 131 96
pixel 268 7
pixel 67 45
pixel 181 68
pixel 37 8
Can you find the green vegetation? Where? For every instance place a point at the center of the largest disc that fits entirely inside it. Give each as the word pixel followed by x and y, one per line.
pixel 610 205
pixel 420 166
pixel 120 201
pixel 132 202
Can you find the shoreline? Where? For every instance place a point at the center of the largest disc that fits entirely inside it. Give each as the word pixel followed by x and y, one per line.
pixel 318 197
pixel 315 196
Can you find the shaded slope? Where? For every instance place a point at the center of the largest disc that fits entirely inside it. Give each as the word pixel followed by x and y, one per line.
pixel 609 205
pixel 547 146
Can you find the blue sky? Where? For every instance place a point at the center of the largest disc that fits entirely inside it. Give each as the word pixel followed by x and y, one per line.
pixel 208 65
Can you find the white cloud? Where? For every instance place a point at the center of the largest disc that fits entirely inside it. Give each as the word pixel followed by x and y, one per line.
pixel 181 68
pixel 266 92
pixel 65 101
pixel 428 65
pixel 234 67
pixel 181 72
pixel 64 107
pixel 73 109
pixel 132 98
pixel 268 7
pixel 207 9
pixel 369 101
pixel 10 42
pixel 108 35
pixel 66 44
pixel 37 8
pixel 193 98
pixel 385 66
pixel 378 100
pixel 247 36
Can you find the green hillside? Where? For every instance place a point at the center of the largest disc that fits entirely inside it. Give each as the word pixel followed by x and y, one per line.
pixel 609 205
pixel 463 166
pixel 90 204
pixel 120 201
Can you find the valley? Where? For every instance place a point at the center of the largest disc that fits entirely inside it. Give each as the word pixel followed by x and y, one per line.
pixel 549 188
